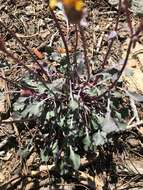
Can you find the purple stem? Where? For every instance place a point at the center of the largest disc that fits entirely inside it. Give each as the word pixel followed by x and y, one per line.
pixel 85 52
pixel 64 41
pixel 121 71
pixel 110 45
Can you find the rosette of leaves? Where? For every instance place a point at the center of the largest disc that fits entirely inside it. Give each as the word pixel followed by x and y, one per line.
pixel 69 128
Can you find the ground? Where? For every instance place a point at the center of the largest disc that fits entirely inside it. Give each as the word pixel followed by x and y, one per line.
pixel 109 158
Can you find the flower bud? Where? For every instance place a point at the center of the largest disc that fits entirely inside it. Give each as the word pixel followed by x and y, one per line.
pixel 74 9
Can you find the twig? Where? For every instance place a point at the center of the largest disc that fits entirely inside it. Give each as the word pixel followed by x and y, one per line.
pixel 135 124
pixel 10 81
pixel 107 13
pixel 32 35
pixel 134 109
pixel 52 38
pixel 131 120
pixel 10 182
pixel 9 121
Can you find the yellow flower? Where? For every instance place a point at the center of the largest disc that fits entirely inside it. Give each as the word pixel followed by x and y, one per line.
pixel 73 9
pixel 73 4
pixel 53 3
pixel 77 5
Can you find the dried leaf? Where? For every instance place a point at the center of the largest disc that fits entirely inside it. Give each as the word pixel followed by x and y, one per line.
pixel 37 53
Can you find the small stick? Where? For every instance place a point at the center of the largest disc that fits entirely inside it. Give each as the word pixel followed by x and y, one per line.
pixel 135 124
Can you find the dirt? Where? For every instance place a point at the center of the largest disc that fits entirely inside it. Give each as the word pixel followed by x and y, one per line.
pixel 114 167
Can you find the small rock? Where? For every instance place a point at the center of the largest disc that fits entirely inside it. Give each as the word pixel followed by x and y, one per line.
pixel 29 186
pixel 34 173
pixel 43 168
pixel 134 142
pixel 2 178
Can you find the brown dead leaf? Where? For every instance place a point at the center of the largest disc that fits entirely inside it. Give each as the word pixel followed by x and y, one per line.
pixel 138 53
pixel 2 178
pixel 43 168
pixel 7 157
pixel 4 98
pixel 141 130
pixel 31 159
pixel 29 186
pixel 37 53
pixel 63 50
pixel 92 182
pixel 135 165
pixel 134 80
pixel 2 105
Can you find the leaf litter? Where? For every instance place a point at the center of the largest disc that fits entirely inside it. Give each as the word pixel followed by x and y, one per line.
pixel 100 142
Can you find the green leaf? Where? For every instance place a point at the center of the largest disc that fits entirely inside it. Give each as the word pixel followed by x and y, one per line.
pixel 99 138
pixel 122 126
pixel 92 91
pixel 57 85
pixel 75 158
pixel 73 104
pixel 63 167
pixel 24 153
pixel 19 104
pixel 117 94
pixel 55 148
pixel 44 155
pixel 33 84
pixel 96 120
pixel 86 141
pixel 34 109
pixel 109 125
pixel 94 124
pixel 62 121
pixel 50 115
